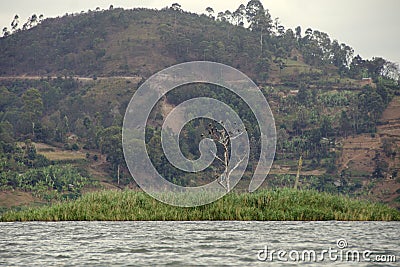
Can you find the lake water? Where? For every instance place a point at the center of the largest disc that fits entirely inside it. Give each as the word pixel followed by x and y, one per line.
pixel 198 243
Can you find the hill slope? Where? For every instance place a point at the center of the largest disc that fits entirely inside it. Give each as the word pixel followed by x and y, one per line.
pixel 141 42
pixel 109 43
pixel 67 82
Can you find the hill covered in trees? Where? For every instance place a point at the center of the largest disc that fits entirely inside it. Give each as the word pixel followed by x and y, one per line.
pixel 141 42
pixel 324 98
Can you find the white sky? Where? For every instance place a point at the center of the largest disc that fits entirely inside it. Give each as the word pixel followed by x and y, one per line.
pixel 371 27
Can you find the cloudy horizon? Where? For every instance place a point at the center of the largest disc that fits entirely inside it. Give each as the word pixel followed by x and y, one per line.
pixel 370 27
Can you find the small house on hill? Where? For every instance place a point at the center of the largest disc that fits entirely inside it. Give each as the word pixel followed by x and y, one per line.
pixel 366 81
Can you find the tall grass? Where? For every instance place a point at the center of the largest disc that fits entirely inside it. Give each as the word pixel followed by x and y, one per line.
pixel 281 204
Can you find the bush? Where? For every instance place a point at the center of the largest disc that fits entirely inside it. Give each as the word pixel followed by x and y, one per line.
pixel 75 147
pixel 41 161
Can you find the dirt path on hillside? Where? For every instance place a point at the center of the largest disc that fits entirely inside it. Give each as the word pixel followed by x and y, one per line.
pixel 303 173
pixel 78 78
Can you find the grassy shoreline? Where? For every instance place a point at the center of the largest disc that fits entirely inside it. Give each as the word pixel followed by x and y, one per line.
pixel 271 205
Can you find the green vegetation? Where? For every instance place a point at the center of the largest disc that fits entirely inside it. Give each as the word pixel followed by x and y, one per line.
pixel 281 204
pixel 22 168
pixel 313 84
pixel 52 182
pixel 141 41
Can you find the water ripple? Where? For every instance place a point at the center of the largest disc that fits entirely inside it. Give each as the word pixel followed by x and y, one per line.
pixel 185 243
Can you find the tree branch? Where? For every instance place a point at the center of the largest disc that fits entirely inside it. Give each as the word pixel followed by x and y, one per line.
pixel 234 137
pixel 236 165
pixel 215 155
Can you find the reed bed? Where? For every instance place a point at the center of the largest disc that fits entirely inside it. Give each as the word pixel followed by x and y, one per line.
pixel 266 205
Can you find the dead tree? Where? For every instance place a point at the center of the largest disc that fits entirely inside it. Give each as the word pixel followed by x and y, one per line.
pixel 224 138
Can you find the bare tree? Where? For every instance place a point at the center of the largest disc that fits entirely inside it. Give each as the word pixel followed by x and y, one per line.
pixel 300 165
pixel 224 138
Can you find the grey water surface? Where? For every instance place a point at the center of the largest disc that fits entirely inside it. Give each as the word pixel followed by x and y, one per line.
pixel 199 243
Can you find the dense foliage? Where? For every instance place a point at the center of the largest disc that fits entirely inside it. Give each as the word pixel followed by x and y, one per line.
pixel 22 168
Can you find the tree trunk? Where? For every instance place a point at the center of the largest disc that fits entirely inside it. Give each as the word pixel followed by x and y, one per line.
pixel 118 174
pixel 226 169
pixel 296 182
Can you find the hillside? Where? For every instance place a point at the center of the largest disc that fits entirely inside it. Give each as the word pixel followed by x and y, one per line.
pixel 107 43
pixel 140 42
pixel 65 85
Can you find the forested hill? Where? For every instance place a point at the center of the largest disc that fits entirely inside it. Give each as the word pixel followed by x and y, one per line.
pixel 61 135
pixel 140 42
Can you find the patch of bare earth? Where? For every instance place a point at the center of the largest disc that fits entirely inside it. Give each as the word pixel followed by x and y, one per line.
pixel 10 199
pixel 359 151
pixel 390 130
pixel 55 153
pixel 392 111
pixel 391 121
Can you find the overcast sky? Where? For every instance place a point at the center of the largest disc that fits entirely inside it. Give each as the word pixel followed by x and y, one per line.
pixel 371 27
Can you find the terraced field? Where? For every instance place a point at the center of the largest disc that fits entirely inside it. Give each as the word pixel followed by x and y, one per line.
pixel 361 153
